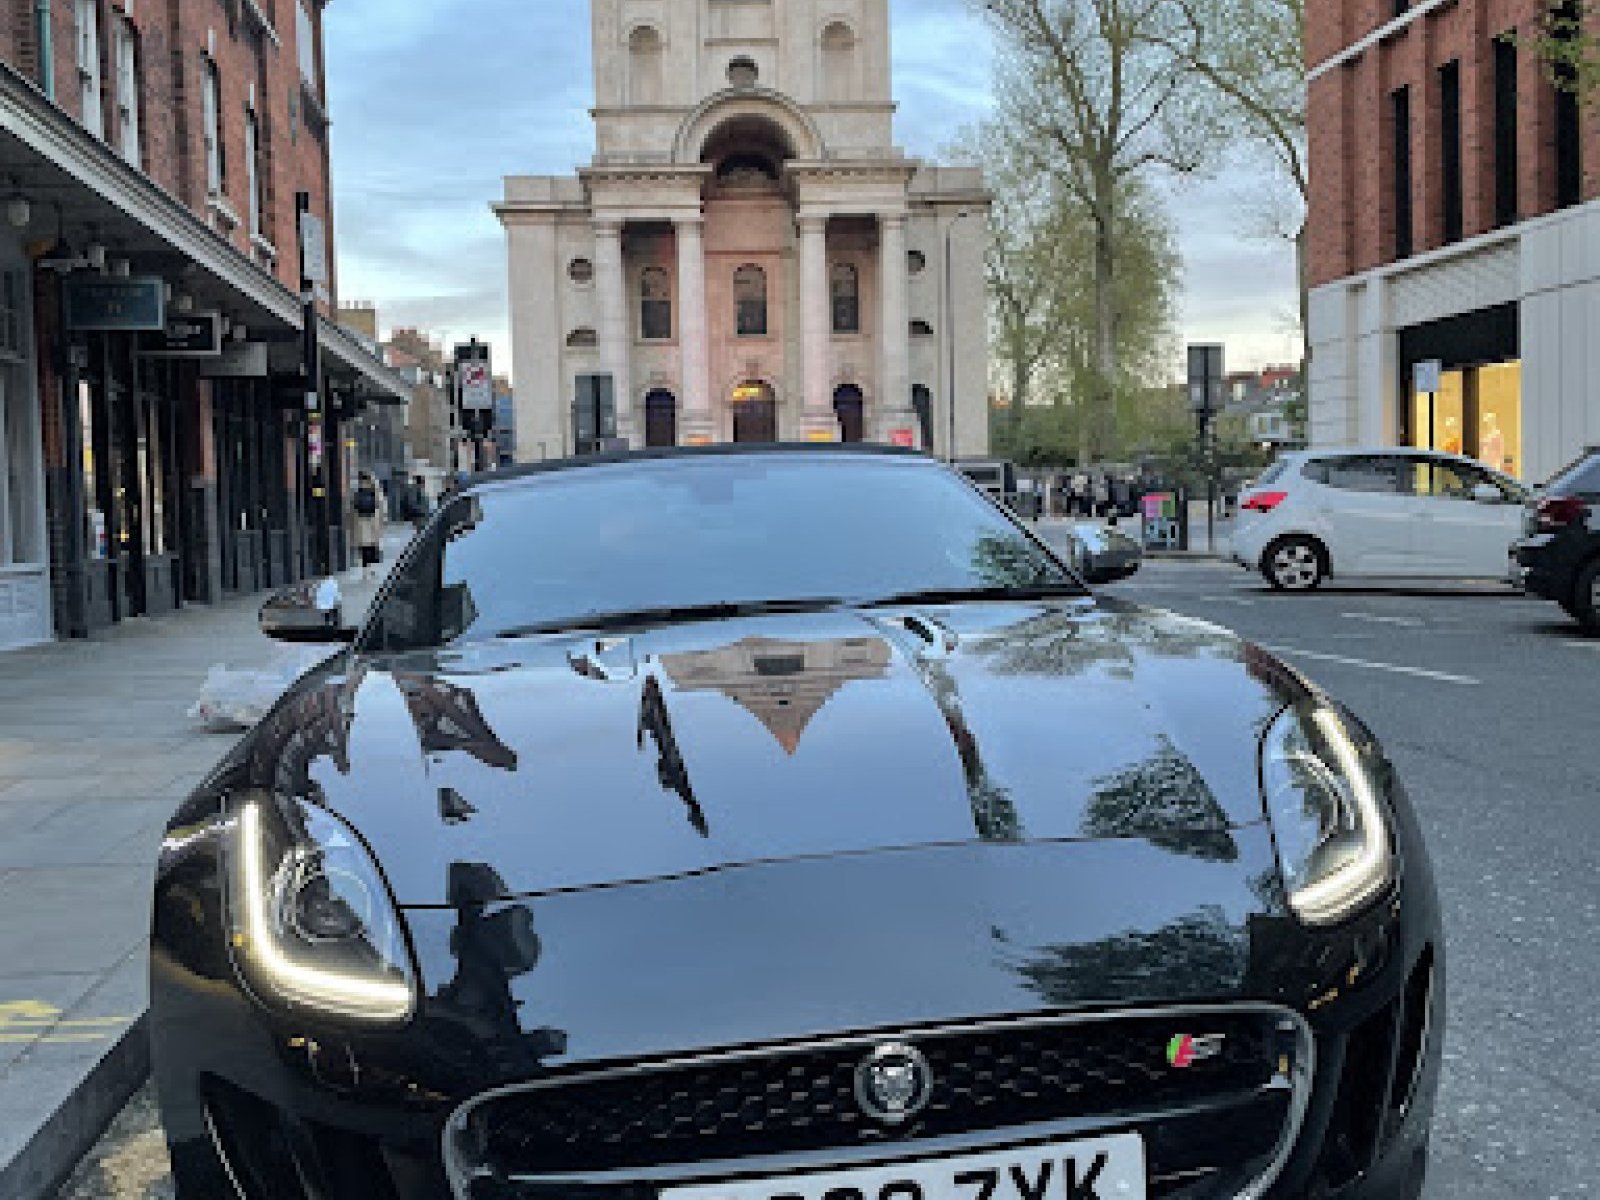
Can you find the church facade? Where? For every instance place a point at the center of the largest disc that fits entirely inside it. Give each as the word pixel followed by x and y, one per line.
pixel 748 257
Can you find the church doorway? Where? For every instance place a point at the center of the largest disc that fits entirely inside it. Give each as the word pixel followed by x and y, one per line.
pixel 850 407
pixel 755 413
pixel 660 419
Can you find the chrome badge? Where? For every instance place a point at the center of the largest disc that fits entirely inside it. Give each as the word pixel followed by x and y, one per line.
pixel 894 1083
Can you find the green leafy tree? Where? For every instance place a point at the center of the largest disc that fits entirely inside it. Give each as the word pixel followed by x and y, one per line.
pixel 1568 40
pixel 1102 96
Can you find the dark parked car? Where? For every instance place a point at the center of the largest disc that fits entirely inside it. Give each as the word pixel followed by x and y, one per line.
pixel 716 825
pixel 1559 558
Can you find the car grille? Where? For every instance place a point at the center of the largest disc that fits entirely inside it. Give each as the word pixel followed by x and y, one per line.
pixel 800 1099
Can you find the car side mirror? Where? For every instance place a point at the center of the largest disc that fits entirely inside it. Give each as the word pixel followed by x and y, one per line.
pixel 1487 493
pixel 307 613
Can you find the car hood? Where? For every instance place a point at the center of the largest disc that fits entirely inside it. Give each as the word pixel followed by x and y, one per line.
pixel 561 763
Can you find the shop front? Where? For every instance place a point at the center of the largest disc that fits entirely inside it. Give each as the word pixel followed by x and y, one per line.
pixel 24 553
pixel 1477 407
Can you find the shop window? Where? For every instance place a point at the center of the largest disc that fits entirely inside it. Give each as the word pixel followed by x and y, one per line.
pixel 1499 421
pixel 96 538
pixel 19 474
pixel 655 304
pixel 13 293
pixel 1477 412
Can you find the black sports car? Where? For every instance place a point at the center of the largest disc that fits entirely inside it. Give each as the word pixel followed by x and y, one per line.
pixel 788 824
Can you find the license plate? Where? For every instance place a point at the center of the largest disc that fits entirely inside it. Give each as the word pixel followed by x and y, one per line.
pixel 1102 1169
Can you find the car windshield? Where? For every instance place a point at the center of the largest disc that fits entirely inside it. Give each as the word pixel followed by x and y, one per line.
pixel 572 548
pixel 1581 478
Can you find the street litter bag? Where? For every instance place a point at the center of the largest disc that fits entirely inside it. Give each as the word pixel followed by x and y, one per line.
pixel 234 700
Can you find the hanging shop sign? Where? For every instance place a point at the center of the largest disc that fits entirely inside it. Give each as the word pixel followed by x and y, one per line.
pixel 187 335
pixel 107 304
pixel 241 360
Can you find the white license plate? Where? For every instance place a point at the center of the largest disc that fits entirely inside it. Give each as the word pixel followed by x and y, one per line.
pixel 1103 1169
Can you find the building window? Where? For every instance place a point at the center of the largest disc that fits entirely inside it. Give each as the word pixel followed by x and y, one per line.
pixel 127 56
pixel 838 63
pixel 305 32
pixel 743 73
pixel 1401 127
pixel 644 61
pixel 921 329
pixel 252 168
pixel 750 301
pixel 580 271
pixel 846 288
pixel 1450 148
pixel 582 339
pixel 916 262
pixel 655 304
pixel 1506 206
pixel 211 114
pixel 1568 142
pixel 88 13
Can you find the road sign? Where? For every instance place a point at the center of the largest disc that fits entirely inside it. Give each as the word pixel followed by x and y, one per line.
pixel 1428 376
pixel 477 387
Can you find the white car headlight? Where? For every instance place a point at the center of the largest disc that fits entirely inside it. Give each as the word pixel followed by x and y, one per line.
pixel 312 926
pixel 1333 839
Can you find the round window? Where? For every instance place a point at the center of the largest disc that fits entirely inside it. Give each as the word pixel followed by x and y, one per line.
pixel 580 270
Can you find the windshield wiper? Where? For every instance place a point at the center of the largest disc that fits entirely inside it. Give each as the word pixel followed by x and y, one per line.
pixel 672 615
pixel 1032 591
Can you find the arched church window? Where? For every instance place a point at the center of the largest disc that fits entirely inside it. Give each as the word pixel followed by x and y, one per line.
pixel 644 62
pixel 750 300
pixel 743 73
pixel 846 289
pixel 838 63
pixel 655 304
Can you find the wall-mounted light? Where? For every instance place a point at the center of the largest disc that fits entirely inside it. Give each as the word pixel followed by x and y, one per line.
pixel 121 268
pixel 95 255
pixel 18 211
pixel 184 303
pixel 241 332
pixel 166 292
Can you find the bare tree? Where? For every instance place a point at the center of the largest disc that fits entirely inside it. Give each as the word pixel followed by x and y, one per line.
pixel 1106 97
pixel 1250 54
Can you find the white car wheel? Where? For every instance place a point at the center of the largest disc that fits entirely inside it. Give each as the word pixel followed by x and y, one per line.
pixel 1294 565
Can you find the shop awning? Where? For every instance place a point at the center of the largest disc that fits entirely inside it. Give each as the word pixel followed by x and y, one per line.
pixel 53 161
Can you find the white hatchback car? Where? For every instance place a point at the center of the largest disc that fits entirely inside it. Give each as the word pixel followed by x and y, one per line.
pixel 1392 513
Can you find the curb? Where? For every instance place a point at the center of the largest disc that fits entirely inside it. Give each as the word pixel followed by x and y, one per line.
pixel 70 1132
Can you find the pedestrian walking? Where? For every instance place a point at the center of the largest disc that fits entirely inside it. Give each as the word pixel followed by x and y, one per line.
pixel 414 505
pixel 1102 496
pixel 368 506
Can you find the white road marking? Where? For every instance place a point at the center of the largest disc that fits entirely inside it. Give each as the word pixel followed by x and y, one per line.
pixel 1391 668
pixel 1585 645
pixel 1375 619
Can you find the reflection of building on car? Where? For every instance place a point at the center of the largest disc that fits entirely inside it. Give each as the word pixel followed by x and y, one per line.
pixel 1390 513
pixel 1559 556
pixel 995 476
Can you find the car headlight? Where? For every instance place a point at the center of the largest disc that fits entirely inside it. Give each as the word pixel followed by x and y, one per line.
pixel 311 924
pixel 1333 839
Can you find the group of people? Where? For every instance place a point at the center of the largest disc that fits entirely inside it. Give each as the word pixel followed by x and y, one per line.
pixel 1100 495
pixel 369 512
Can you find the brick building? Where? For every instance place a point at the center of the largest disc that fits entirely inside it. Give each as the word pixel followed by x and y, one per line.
pixel 1455 218
pixel 159 443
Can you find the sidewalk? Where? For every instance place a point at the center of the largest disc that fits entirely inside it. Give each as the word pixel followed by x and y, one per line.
pixel 96 751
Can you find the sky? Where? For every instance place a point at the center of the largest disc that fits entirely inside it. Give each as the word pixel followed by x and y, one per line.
pixel 434 102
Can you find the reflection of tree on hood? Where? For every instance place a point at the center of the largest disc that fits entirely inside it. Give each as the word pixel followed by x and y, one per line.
pixel 447 717
pixel 1197 954
pixel 1166 800
pixel 1071 643
pixel 314 723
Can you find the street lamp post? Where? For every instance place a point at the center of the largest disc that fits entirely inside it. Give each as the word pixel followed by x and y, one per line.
pixel 950 330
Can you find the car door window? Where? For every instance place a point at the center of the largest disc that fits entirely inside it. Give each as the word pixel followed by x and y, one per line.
pixel 1370 473
pixel 1444 480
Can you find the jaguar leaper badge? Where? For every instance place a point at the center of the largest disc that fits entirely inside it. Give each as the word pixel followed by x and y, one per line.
pixel 894 1083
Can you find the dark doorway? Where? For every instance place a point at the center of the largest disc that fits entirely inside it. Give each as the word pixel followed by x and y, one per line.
pixel 755 414
pixel 922 405
pixel 660 420
pixel 851 410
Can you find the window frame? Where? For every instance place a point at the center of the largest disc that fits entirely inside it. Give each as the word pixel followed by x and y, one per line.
pixel 211 126
pixel 87 53
pixel 655 312
pixel 252 170
pixel 845 309
pixel 125 43
pixel 751 314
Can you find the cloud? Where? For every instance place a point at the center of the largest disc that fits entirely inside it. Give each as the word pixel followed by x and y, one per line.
pixel 436 101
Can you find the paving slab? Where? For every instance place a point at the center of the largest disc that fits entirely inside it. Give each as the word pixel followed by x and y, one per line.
pixel 96 751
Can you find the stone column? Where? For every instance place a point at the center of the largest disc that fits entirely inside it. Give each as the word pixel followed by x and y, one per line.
pixel 819 422
pixel 611 282
pixel 696 426
pixel 894 405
